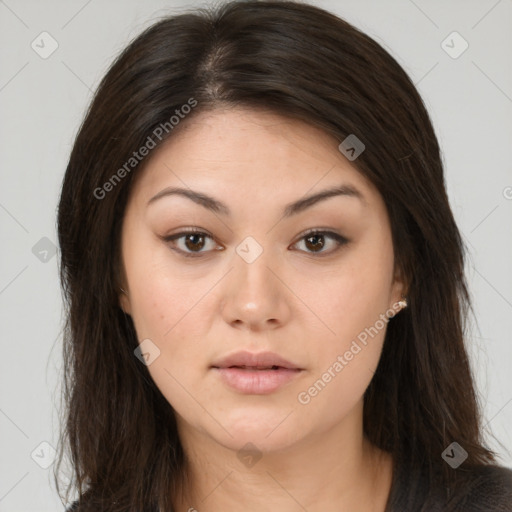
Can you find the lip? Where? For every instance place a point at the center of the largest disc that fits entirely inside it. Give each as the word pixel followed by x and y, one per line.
pixel 240 372
pixel 254 360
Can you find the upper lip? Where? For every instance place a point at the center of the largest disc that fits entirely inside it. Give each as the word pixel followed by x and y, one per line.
pixel 254 360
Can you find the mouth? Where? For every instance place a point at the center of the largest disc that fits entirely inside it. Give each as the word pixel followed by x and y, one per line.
pixel 257 374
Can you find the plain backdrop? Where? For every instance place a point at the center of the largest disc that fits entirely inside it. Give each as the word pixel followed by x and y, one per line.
pixel 43 98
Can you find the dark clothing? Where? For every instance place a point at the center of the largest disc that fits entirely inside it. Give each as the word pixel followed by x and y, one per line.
pixel 486 489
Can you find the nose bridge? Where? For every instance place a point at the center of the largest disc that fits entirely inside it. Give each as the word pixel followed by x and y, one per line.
pixel 251 273
pixel 254 294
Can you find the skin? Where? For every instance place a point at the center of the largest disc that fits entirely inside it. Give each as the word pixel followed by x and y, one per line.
pixel 305 307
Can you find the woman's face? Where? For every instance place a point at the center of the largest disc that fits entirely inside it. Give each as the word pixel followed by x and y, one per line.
pixel 253 280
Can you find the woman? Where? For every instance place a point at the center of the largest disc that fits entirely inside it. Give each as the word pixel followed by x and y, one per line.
pixel 264 279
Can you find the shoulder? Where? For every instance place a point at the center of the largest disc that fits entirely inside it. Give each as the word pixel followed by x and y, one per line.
pixel 478 489
pixel 486 488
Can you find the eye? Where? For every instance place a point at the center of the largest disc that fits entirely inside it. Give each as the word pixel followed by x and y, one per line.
pixel 314 241
pixel 193 241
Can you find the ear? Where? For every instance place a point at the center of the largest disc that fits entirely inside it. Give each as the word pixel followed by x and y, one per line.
pixel 399 288
pixel 124 301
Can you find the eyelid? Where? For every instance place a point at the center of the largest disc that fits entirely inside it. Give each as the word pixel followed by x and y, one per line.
pixel 328 233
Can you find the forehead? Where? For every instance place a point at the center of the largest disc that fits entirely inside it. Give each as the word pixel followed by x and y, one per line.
pixel 250 150
pixel 249 134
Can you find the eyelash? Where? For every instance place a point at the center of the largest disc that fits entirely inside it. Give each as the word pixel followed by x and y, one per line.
pixel 340 240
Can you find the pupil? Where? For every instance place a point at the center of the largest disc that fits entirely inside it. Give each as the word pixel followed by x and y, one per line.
pixel 317 238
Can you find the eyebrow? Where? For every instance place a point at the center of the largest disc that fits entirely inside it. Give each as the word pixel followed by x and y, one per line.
pixel 290 209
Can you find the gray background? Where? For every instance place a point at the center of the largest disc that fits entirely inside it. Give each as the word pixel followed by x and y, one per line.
pixel 42 102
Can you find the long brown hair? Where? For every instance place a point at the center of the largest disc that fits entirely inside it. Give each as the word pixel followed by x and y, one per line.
pixel 304 63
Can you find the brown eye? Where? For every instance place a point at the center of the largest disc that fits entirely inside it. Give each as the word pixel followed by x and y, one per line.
pixel 192 243
pixel 315 241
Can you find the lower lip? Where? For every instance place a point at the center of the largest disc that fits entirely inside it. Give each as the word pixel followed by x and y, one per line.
pixel 257 382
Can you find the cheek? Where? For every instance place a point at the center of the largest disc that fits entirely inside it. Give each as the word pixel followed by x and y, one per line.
pixel 167 309
pixel 163 295
pixel 334 393
pixel 351 303
pixel 349 299
pixel 170 304
pixel 346 360
pixel 172 315
pixel 171 319
pixel 162 308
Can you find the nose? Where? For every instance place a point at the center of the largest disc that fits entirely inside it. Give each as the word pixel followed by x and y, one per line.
pixel 254 295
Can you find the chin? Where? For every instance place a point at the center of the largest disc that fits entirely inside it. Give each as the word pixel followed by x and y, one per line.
pixel 267 431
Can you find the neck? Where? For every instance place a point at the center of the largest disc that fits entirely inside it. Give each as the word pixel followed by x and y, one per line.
pixel 332 470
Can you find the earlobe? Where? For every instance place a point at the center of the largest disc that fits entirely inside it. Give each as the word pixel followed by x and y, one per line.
pixel 403 303
pixel 399 303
